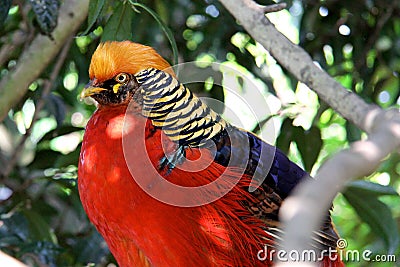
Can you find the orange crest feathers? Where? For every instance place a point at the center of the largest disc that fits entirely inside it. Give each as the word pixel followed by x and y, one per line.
pixel 111 58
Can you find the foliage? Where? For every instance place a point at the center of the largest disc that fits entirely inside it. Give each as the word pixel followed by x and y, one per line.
pixel 357 42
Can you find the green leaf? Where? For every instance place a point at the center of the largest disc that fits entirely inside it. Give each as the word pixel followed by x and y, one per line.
pixel 4 8
pixel 46 12
pixel 95 7
pixel 68 159
pixel 119 26
pixel 47 158
pixel 309 144
pixel 368 189
pixel 39 228
pixel 166 29
pixel 63 130
pixel 353 133
pixel 44 159
pixel 287 133
pixel 43 208
pixel 374 212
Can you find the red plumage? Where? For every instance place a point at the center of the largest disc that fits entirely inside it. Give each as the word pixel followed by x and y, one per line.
pixel 141 230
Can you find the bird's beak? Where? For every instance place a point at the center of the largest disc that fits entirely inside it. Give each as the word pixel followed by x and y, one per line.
pixel 90 90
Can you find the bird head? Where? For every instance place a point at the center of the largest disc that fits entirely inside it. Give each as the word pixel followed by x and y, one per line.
pixel 113 67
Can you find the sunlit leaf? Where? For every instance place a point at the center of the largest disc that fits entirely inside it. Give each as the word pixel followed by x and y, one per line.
pixel 65 129
pixel 95 7
pixel 165 28
pixel 119 26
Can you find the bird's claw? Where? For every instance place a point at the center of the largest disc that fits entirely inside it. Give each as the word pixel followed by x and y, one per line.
pixel 169 161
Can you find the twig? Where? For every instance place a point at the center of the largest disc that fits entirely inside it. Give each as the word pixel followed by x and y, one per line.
pixel 273 8
pixel 6 51
pixel 39 106
pixel 361 62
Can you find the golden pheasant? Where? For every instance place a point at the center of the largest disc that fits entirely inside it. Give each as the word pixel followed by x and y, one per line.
pixel 166 180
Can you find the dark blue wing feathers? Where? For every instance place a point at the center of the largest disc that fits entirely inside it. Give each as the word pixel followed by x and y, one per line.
pixel 265 162
pixel 287 172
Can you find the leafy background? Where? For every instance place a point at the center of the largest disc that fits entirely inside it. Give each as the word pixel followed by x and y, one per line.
pixel 358 42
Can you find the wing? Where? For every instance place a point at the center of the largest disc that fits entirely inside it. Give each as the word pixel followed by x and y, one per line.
pixel 190 123
pixel 275 177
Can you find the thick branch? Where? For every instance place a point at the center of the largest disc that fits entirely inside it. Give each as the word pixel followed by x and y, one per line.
pixel 306 207
pixel 299 63
pixel 6 260
pixel 39 54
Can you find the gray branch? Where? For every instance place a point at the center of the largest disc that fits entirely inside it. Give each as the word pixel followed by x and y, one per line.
pixel 7 260
pixel 39 54
pixel 306 207
pixel 299 63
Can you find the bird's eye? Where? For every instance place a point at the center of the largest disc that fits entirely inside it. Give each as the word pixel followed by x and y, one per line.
pixel 122 78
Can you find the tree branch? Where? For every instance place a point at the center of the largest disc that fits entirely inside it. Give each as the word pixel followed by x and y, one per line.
pixel 39 54
pixel 273 8
pixel 46 91
pixel 18 38
pixel 308 204
pixel 6 260
pixel 300 64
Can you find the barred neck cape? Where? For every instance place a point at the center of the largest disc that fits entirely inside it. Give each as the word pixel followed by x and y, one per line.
pixel 149 128
pixel 180 114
